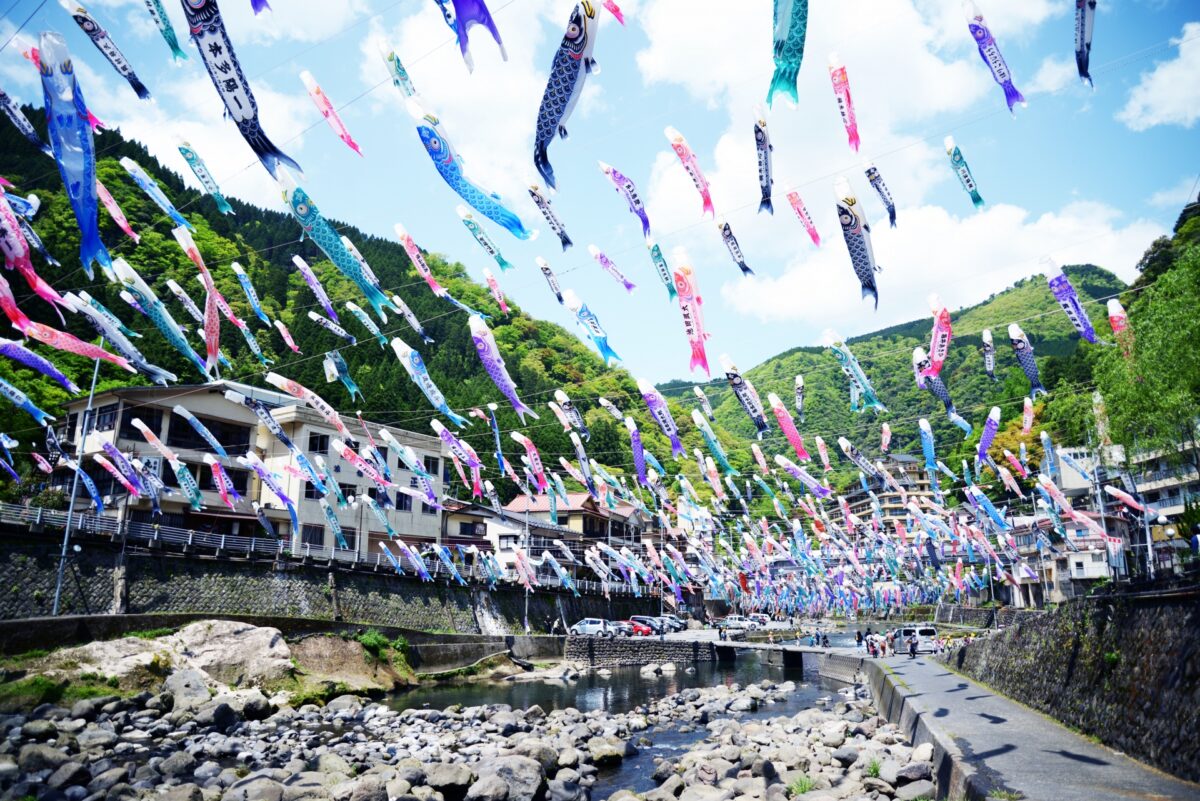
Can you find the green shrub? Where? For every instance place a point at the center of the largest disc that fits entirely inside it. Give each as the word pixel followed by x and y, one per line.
pixel 873 768
pixel 151 634
pixel 1111 658
pixel 802 785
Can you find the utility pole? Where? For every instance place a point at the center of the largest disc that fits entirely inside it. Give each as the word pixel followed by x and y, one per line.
pixel 83 432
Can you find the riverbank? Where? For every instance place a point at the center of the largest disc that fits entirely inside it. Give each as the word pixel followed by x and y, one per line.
pixel 185 744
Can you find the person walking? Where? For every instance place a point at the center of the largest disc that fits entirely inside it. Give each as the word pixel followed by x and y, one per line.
pixel 912 647
pixel 858 638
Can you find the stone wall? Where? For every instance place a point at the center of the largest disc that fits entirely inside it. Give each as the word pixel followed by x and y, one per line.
pixel 964 615
pixel 28 574
pixel 101 579
pixel 610 652
pixel 1124 669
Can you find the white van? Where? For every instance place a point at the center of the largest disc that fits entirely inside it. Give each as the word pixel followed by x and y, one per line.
pixel 925 633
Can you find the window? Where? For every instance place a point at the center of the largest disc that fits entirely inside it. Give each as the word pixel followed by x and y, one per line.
pixel 432 465
pixel 318 443
pixel 426 509
pixel 149 415
pixel 313 535
pixel 234 437
pixel 404 500
pixel 239 478
pixel 348 490
pixel 66 431
pixel 106 417
pixel 508 542
pixel 469 529
pixel 351 536
pixel 310 491
pixel 1097 557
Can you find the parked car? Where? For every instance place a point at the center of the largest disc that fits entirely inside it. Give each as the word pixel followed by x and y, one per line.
pixel 926 634
pixel 637 629
pixel 760 618
pixel 622 628
pixel 592 627
pixel 654 624
pixel 675 623
pixel 737 622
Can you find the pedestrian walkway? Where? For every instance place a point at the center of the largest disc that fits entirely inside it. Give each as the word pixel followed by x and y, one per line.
pixel 1013 748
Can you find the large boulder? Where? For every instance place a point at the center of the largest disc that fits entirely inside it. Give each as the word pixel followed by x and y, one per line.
pixel 540 751
pixel 524 776
pixel 234 653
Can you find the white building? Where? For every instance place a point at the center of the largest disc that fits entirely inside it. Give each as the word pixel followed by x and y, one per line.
pixel 238 430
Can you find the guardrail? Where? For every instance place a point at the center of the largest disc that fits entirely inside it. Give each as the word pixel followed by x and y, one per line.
pixel 152 535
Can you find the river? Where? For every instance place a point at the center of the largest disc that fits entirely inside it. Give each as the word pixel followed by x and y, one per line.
pixel 622 691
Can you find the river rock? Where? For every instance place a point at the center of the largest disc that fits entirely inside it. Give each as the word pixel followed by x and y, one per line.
pixel 39 730
pixel 369 788
pixel 606 750
pixel 95 737
pixel 188 688
pixel 181 792
pixel 332 763
pixel 703 792
pixel 523 776
pixel 923 753
pixel 489 788
pixel 919 789
pixel 255 788
pixel 67 775
pixel 180 763
pixel 845 756
pixel 914 771
pixel 567 758
pixel 540 751
pixel 451 779
pixel 36 756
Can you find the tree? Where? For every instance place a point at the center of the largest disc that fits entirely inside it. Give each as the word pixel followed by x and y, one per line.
pixel 1153 397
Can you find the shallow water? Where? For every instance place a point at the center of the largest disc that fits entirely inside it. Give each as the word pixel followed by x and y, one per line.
pixel 624 690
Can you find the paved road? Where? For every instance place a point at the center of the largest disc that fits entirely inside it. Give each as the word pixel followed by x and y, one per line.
pixel 1022 750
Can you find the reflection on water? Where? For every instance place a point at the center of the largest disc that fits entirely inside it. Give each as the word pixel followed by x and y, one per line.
pixel 625 689
pixel 620 692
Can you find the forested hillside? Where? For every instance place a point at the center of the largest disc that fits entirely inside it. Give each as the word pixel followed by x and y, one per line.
pixel 541 356
pixel 886 357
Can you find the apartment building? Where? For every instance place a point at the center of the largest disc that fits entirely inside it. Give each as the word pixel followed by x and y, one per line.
pixel 237 430
pixel 909 473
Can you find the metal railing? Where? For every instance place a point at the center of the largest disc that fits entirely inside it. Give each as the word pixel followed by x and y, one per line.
pixel 189 540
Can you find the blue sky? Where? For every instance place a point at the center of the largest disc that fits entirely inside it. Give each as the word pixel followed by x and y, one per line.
pixel 1079 175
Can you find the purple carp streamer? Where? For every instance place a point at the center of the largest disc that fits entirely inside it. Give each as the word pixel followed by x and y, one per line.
pixel 989 51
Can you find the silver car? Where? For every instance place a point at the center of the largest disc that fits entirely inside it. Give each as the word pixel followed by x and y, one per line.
pixel 592 627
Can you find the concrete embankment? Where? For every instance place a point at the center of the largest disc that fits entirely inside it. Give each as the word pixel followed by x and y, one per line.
pixel 1125 669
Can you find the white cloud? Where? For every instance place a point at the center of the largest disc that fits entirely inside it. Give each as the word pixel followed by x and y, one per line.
pixel 1012 22
pixel 926 254
pixel 497 156
pixel 1175 196
pixel 1054 75
pixel 1170 93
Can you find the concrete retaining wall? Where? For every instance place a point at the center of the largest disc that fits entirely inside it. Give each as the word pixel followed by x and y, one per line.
pixel 955 778
pixel 103 580
pixel 600 652
pixel 1124 669
pixel 840 667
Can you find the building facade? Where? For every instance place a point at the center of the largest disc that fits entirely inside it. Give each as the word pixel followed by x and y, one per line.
pixel 238 430
pixel 909 474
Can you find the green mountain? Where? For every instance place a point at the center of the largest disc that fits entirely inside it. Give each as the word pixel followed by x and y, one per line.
pixel 886 357
pixel 541 356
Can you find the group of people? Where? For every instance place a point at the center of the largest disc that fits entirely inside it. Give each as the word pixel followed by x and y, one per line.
pixel 888 643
